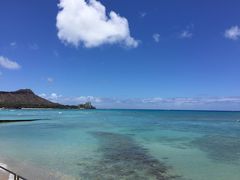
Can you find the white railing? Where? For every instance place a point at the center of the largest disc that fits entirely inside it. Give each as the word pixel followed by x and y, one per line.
pixel 15 176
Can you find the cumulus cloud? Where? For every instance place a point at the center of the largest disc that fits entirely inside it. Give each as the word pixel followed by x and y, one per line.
pixel 86 22
pixel 8 64
pixel 72 100
pixel 156 37
pixel 197 103
pixel 194 101
pixel 52 97
pixel 92 99
pixel 233 33
pixel 43 95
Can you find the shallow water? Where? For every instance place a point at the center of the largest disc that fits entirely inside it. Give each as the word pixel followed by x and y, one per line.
pixel 122 144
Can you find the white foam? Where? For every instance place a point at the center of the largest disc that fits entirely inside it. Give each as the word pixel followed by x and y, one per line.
pixel 10 177
pixel 3 165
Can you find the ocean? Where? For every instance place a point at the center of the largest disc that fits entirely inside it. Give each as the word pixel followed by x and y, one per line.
pixel 121 144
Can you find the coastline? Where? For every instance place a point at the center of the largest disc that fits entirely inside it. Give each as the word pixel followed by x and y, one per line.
pixel 29 171
pixel 3 174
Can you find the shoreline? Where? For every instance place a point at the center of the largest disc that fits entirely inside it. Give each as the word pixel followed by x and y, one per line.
pixel 29 171
pixel 4 175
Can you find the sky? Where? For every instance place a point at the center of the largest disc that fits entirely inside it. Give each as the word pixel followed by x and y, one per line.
pixel 159 54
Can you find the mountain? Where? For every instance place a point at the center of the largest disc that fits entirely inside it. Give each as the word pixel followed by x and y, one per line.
pixel 25 98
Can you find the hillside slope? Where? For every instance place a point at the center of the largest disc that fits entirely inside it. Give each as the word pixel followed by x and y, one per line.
pixel 25 98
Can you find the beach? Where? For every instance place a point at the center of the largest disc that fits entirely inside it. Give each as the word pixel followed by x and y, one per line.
pixel 3 174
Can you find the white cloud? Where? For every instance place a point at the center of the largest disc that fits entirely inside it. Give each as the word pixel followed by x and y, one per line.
pixel 50 80
pixel 52 97
pixel 8 64
pixel 198 103
pixel 43 95
pixel 156 37
pixel 72 100
pixel 186 34
pixel 83 99
pixel 233 33
pixel 86 22
pixel 192 101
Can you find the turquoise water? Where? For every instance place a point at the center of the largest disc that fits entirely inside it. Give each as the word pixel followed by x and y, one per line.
pixel 122 144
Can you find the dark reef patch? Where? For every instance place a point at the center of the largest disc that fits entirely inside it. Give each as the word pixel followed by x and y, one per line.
pixel 220 148
pixel 123 158
pixel 19 120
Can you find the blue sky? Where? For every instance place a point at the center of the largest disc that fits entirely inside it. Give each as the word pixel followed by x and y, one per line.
pixel 136 54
